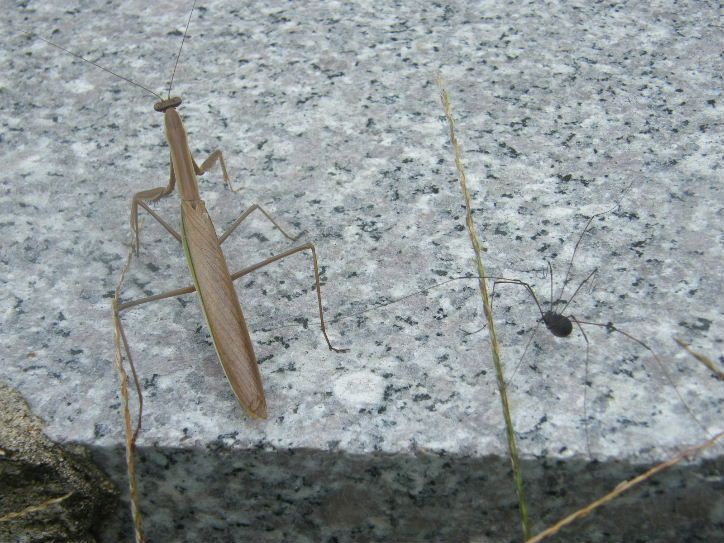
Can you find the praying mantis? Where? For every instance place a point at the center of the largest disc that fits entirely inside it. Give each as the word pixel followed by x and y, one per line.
pixel 206 262
pixel 211 277
pixel 210 274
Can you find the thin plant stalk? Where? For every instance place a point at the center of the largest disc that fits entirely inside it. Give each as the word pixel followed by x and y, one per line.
pixel 494 346
pixel 708 362
pixel 34 508
pixel 623 487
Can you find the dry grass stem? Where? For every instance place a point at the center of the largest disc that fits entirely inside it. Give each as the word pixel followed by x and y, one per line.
pixel 623 487
pixel 34 508
pixel 708 362
pixel 494 346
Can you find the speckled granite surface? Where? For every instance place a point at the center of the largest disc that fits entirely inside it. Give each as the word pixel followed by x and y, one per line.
pixel 328 115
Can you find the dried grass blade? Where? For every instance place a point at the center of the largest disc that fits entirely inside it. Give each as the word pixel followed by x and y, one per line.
pixel 35 508
pixel 623 487
pixel 495 347
pixel 708 362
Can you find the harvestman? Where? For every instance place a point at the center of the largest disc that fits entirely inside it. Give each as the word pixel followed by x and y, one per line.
pixel 556 320
pixel 560 324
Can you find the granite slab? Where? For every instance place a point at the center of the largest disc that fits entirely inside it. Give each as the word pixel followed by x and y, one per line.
pixel 328 116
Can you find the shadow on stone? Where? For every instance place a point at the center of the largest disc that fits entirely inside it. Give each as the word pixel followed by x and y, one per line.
pixel 264 496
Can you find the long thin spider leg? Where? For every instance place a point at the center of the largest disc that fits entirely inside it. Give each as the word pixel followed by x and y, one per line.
pixel 586 385
pixel 497 280
pixel 566 277
pixel 416 293
pixel 535 330
pixel 579 288
pixel 388 302
pixel 522 357
pixel 532 293
pixel 610 326
pixel 550 271
pixel 492 302
pixel 527 287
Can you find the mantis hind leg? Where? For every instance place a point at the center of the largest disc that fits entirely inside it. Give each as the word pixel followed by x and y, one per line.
pixel 300 248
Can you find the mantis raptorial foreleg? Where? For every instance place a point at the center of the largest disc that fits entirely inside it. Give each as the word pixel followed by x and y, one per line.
pixel 152 195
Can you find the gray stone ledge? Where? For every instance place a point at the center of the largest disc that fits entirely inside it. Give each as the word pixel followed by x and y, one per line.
pixel 330 118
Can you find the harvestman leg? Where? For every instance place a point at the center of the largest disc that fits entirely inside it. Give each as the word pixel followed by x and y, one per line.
pixel 586 386
pixel 610 327
pixel 502 280
pixel 518 282
pixel 535 330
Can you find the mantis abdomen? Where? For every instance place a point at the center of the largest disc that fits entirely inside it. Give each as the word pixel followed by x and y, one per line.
pixel 221 307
